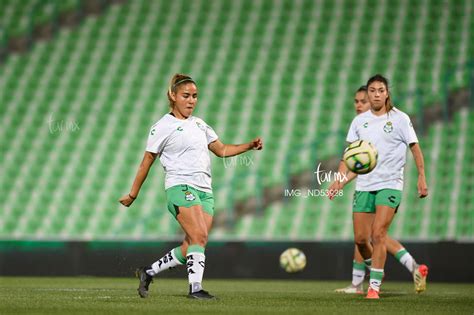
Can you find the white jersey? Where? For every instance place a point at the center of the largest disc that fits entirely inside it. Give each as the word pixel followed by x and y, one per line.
pixel 390 134
pixel 183 149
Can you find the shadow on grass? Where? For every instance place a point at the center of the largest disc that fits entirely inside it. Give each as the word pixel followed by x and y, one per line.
pixel 385 295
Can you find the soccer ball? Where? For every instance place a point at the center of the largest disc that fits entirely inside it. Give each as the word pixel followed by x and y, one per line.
pixel 360 157
pixel 292 260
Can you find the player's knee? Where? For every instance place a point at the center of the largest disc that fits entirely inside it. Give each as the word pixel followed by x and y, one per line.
pixel 379 235
pixel 361 239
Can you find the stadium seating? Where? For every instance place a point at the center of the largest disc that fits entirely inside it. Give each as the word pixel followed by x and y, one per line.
pixel 76 111
pixel 19 17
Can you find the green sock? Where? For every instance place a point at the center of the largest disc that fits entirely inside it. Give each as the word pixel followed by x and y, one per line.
pixel 195 249
pixel 358 273
pixel 400 253
pixel 376 276
pixel 407 260
pixel 179 256
pixel 358 265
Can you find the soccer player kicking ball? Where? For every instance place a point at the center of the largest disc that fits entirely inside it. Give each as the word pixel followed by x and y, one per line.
pixel 182 143
pixel 362 223
pixel 380 191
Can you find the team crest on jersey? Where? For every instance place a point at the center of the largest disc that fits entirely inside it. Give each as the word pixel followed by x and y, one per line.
pixel 179 128
pixel 189 196
pixel 388 128
pixel 366 125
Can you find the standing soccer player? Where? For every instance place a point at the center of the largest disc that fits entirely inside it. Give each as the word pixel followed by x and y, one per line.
pixel 362 223
pixel 182 143
pixel 380 191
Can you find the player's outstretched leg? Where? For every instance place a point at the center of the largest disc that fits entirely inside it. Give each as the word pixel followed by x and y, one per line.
pixel 145 274
pixel 419 272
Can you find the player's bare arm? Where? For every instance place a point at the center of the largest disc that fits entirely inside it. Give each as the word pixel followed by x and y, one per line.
pixel 420 166
pixel 227 150
pixel 145 165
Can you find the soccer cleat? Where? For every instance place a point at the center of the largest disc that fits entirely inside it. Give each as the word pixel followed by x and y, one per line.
pixel 201 295
pixel 352 289
pixel 145 280
pixel 420 272
pixel 372 294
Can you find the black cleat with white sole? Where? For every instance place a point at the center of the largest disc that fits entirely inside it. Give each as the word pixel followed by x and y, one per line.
pixel 145 280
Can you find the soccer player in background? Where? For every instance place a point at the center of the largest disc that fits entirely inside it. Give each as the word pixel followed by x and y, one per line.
pixel 380 191
pixel 182 143
pixel 363 221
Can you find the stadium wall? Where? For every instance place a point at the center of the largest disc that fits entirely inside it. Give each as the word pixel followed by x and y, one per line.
pixel 448 261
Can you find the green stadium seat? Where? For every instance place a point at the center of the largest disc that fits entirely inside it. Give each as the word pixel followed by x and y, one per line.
pixel 110 74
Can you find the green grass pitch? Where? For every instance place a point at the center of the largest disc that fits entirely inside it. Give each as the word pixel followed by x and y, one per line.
pixel 168 296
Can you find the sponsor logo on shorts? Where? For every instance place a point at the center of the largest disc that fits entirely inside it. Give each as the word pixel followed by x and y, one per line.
pixel 391 199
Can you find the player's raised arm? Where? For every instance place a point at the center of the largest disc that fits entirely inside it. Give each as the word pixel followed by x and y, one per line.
pixel 227 150
pixel 420 166
pixel 145 165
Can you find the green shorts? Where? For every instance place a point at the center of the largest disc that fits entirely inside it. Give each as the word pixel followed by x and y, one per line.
pixel 366 201
pixel 187 196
